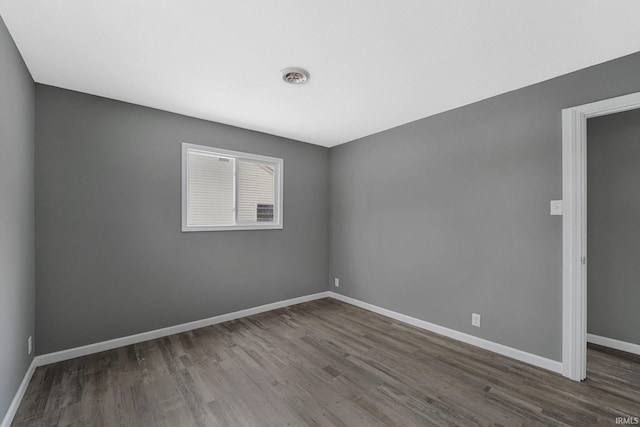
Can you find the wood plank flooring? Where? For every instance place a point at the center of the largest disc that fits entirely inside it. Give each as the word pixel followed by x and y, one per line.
pixel 322 363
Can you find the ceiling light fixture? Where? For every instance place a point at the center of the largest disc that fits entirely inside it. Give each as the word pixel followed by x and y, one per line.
pixel 294 75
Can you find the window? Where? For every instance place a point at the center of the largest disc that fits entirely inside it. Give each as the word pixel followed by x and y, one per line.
pixel 228 190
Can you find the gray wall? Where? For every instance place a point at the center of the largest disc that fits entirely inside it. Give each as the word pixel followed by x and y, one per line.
pixel 613 226
pixel 17 285
pixel 112 260
pixel 449 215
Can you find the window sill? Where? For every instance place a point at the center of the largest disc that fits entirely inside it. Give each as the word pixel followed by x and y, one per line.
pixel 233 227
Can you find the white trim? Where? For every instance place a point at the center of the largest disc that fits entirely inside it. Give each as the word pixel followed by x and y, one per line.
pixel 574 227
pixel 195 228
pixel 59 356
pixel 278 203
pixel 72 353
pixel 612 343
pixel 15 403
pixel 523 356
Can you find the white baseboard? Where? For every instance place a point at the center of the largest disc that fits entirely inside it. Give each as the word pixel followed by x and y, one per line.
pixel 59 356
pixel 15 403
pixel 523 356
pixel 72 353
pixel 611 343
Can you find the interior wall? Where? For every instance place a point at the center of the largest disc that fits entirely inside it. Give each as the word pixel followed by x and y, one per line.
pixel 613 226
pixel 112 260
pixel 17 284
pixel 449 215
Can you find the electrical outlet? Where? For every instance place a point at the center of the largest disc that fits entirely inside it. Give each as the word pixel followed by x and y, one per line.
pixel 336 282
pixel 475 319
pixel 29 345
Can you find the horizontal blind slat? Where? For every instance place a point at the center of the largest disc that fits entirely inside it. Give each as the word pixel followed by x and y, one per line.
pixel 256 186
pixel 210 190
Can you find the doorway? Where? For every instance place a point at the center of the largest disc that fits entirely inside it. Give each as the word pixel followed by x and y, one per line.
pixel 574 226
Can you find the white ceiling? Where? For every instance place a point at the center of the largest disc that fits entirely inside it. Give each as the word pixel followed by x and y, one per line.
pixel 374 64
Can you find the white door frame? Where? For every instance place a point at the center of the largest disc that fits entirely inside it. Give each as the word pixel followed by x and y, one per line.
pixel 574 228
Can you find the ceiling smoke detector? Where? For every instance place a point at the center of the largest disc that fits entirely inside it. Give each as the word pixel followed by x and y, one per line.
pixel 294 76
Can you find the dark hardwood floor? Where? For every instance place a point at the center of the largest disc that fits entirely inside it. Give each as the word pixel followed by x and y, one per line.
pixel 321 363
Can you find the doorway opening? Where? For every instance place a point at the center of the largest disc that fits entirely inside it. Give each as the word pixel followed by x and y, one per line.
pixel 574 226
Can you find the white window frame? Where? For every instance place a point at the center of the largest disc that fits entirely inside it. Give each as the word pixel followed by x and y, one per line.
pixel 237 155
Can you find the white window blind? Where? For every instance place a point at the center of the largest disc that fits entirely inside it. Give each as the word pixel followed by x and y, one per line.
pixel 211 190
pixel 227 190
pixel 256 188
